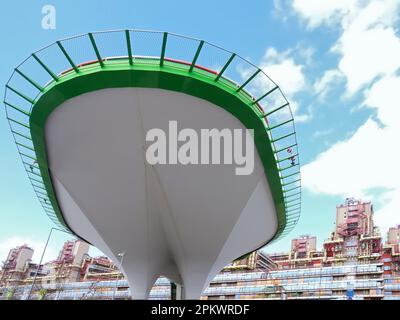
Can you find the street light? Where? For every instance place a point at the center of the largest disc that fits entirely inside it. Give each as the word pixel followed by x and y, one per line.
pixel 41 259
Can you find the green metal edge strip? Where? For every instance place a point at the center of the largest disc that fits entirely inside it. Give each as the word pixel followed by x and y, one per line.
pixel 197 84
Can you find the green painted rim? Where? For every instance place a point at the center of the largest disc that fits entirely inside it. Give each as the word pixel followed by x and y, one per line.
pixel 118 74
pixel 133 68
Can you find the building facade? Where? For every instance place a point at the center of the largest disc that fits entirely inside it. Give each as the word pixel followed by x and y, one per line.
pixel 354 263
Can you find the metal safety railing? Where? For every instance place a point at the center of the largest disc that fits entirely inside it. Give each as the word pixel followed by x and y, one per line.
pixel 71 55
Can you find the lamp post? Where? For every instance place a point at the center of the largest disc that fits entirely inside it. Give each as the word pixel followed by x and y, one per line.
pixel 41 259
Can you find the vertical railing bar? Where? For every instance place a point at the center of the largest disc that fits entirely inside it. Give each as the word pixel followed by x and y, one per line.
pixel 27 147
pixel 291 195
pixel 196 55
pixel 16 108
pixel 67 57
pixel 288 167
pixel 33 179
pixel 283 137
pixel 30 100
pixel 248 80
pixel 36 85
pixel 290 175
pixel 45 67
pixel 28 156
pixel 285 148
pixel 287 158
pixel 41 193
pixel 285 191
pixel 280 124
pixel 31 165
pixel 293 209
pixel 51 215
pixel 266 94
pixel 225 67
pixel 17 122
pixel 34 173
pixel 292 205
pixel 96 50
pixel 163 47
pixel 129 47
pixel 275 110
pixel 34 185
pixel 293 212
pixel 291 182
pixel 21 135
pixel 44 205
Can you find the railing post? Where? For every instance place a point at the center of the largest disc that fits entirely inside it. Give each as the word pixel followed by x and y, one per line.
pixel 163 47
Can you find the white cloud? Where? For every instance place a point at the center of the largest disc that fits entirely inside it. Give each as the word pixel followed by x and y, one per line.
pixel 317 12
pixel 38 246
pixel 304 117
pixel 384 96
pixel 369 51
pixel 367 160
pixel 282 68
pixel 284 71
pixel 351 166
pixel 300 117
pixel 368 54
pixel 368 45
pixel 306 53
pixel 330 79
pixel 322 133
pixel 388 215
pixel 279 10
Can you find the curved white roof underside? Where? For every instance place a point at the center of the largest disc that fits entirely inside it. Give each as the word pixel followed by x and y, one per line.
pixel 183 222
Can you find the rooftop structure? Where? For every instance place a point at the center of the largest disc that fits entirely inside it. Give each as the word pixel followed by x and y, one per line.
pixel 303 246
pixel 17 264
pixel 18 257
pixel 393 236
pixel 353 218
pixel 73 252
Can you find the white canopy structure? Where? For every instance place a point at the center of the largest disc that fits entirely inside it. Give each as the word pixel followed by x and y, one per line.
pixel 84 147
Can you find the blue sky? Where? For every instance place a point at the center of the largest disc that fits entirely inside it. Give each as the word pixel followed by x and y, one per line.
pixel 337 61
